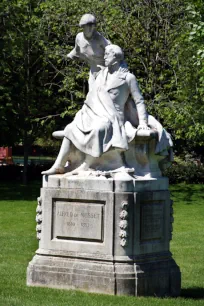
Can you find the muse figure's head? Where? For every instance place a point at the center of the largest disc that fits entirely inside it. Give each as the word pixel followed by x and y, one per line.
pixel 88 24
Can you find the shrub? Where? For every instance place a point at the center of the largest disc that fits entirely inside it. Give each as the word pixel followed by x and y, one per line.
pixel 15 172
pixel 189 171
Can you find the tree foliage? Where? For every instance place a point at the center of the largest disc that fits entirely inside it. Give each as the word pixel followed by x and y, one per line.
pixel 41 89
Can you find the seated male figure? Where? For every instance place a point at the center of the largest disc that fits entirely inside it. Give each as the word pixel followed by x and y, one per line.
pixel 101 126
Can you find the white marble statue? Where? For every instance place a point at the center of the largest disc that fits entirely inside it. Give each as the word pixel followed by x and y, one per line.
pixel 103 131
pixel 89 46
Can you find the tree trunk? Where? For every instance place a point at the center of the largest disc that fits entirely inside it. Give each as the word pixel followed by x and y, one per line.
pixel 26 151
pixel 25 140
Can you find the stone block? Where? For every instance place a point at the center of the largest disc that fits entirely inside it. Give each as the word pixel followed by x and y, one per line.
pixel 105 240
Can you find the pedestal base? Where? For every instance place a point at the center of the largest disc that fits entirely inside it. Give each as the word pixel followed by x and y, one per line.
pixel 111 238
pixel 157 278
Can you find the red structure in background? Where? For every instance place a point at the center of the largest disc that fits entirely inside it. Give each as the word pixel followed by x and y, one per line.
pixel 6 155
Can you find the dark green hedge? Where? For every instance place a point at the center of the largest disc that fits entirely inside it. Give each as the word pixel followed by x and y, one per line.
pixel 185 171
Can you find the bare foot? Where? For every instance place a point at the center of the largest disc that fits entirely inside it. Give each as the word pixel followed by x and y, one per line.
pixel 54 170
pixel 82 168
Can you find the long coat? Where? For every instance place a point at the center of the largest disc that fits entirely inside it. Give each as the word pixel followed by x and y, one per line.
pixel 101 124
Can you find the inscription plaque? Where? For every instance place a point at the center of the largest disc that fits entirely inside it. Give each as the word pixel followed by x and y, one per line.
pixel 151 221
pixel 77 221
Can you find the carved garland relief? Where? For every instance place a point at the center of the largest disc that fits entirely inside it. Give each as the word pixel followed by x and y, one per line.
pixel 123 224
pixel 39 218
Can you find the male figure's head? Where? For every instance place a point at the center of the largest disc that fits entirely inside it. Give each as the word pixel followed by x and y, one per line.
pixel 88 24
pixel 113 54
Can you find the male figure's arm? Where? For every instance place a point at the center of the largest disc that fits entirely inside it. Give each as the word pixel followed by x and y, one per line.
pixel 139 101
pixel 75 53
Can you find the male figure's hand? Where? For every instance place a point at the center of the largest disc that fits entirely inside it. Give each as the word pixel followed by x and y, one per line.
pixel 143 126
pixel 69 56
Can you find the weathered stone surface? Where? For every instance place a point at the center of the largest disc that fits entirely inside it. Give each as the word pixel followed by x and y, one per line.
pixel 152 222
pixel 106 241
pixel 87 183
pixel 77 220
pixel 69 273
pixel 61 231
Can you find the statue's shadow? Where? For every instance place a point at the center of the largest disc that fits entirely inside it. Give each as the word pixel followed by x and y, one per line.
pixel 193 293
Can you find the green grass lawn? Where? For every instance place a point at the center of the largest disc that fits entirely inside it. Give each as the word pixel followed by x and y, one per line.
pixel 18 245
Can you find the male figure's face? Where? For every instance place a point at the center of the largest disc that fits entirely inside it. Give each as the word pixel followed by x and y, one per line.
pixel 89 29
pixel 109 57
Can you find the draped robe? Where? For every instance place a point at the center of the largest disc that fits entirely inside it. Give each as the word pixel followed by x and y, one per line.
pixel 102 123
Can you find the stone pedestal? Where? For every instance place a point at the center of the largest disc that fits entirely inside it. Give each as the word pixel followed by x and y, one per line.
pixel 105 235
